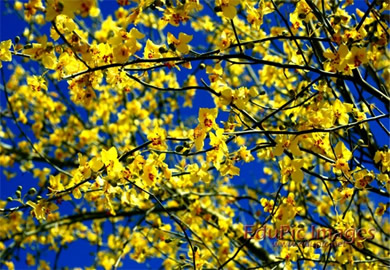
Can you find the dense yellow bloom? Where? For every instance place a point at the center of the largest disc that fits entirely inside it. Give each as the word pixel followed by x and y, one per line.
pixel 199 173
pixel 103 130
pixel 64 25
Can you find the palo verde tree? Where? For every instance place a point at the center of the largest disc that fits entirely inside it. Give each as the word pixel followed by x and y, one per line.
pixel 195 134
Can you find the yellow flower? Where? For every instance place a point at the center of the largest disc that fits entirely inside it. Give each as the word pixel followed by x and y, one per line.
pixel 229 168
pixel 229 8
pixel 56 183
pixel 301 13
pixel 218 141
pixel 57 7
pixel 284 142
pixel 5 53
pixel 67 64
pixel 343 155
pixel 324 205
pixel 95 164
pixel 31 8
pixel 150 173
pixel 203 23
pixel 42 175
pixel 224 40
pixel 206 123
pixel 255 16
pixel 121 53
pixel 363 178
pixel 43 51
pixel 30 260
pixel 110 160
pixel 151 50
pixel 338 61
pixel 309 252
pixel 289 254
pixel 291 168
pixel 197 173
pixel 10 265
pixel 64 25
pixel 42 208
pixel 245 154
pixel 287 211
pixel 359 116
pixel 340 111
pixel 383 157
pixel 158 137
pixel 385 180
pixel 43 265
pixel 177 15
pixel 37 83
pixel 199 134
pixel 207 118
pixel 268 205
pixel 381 209
pixel 84 166
pixel 239 97
pixel 125 44
pixel 345 194
pixel 357 57
pixel 181 43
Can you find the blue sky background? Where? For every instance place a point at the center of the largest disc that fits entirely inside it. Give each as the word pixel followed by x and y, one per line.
pixel 78 253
